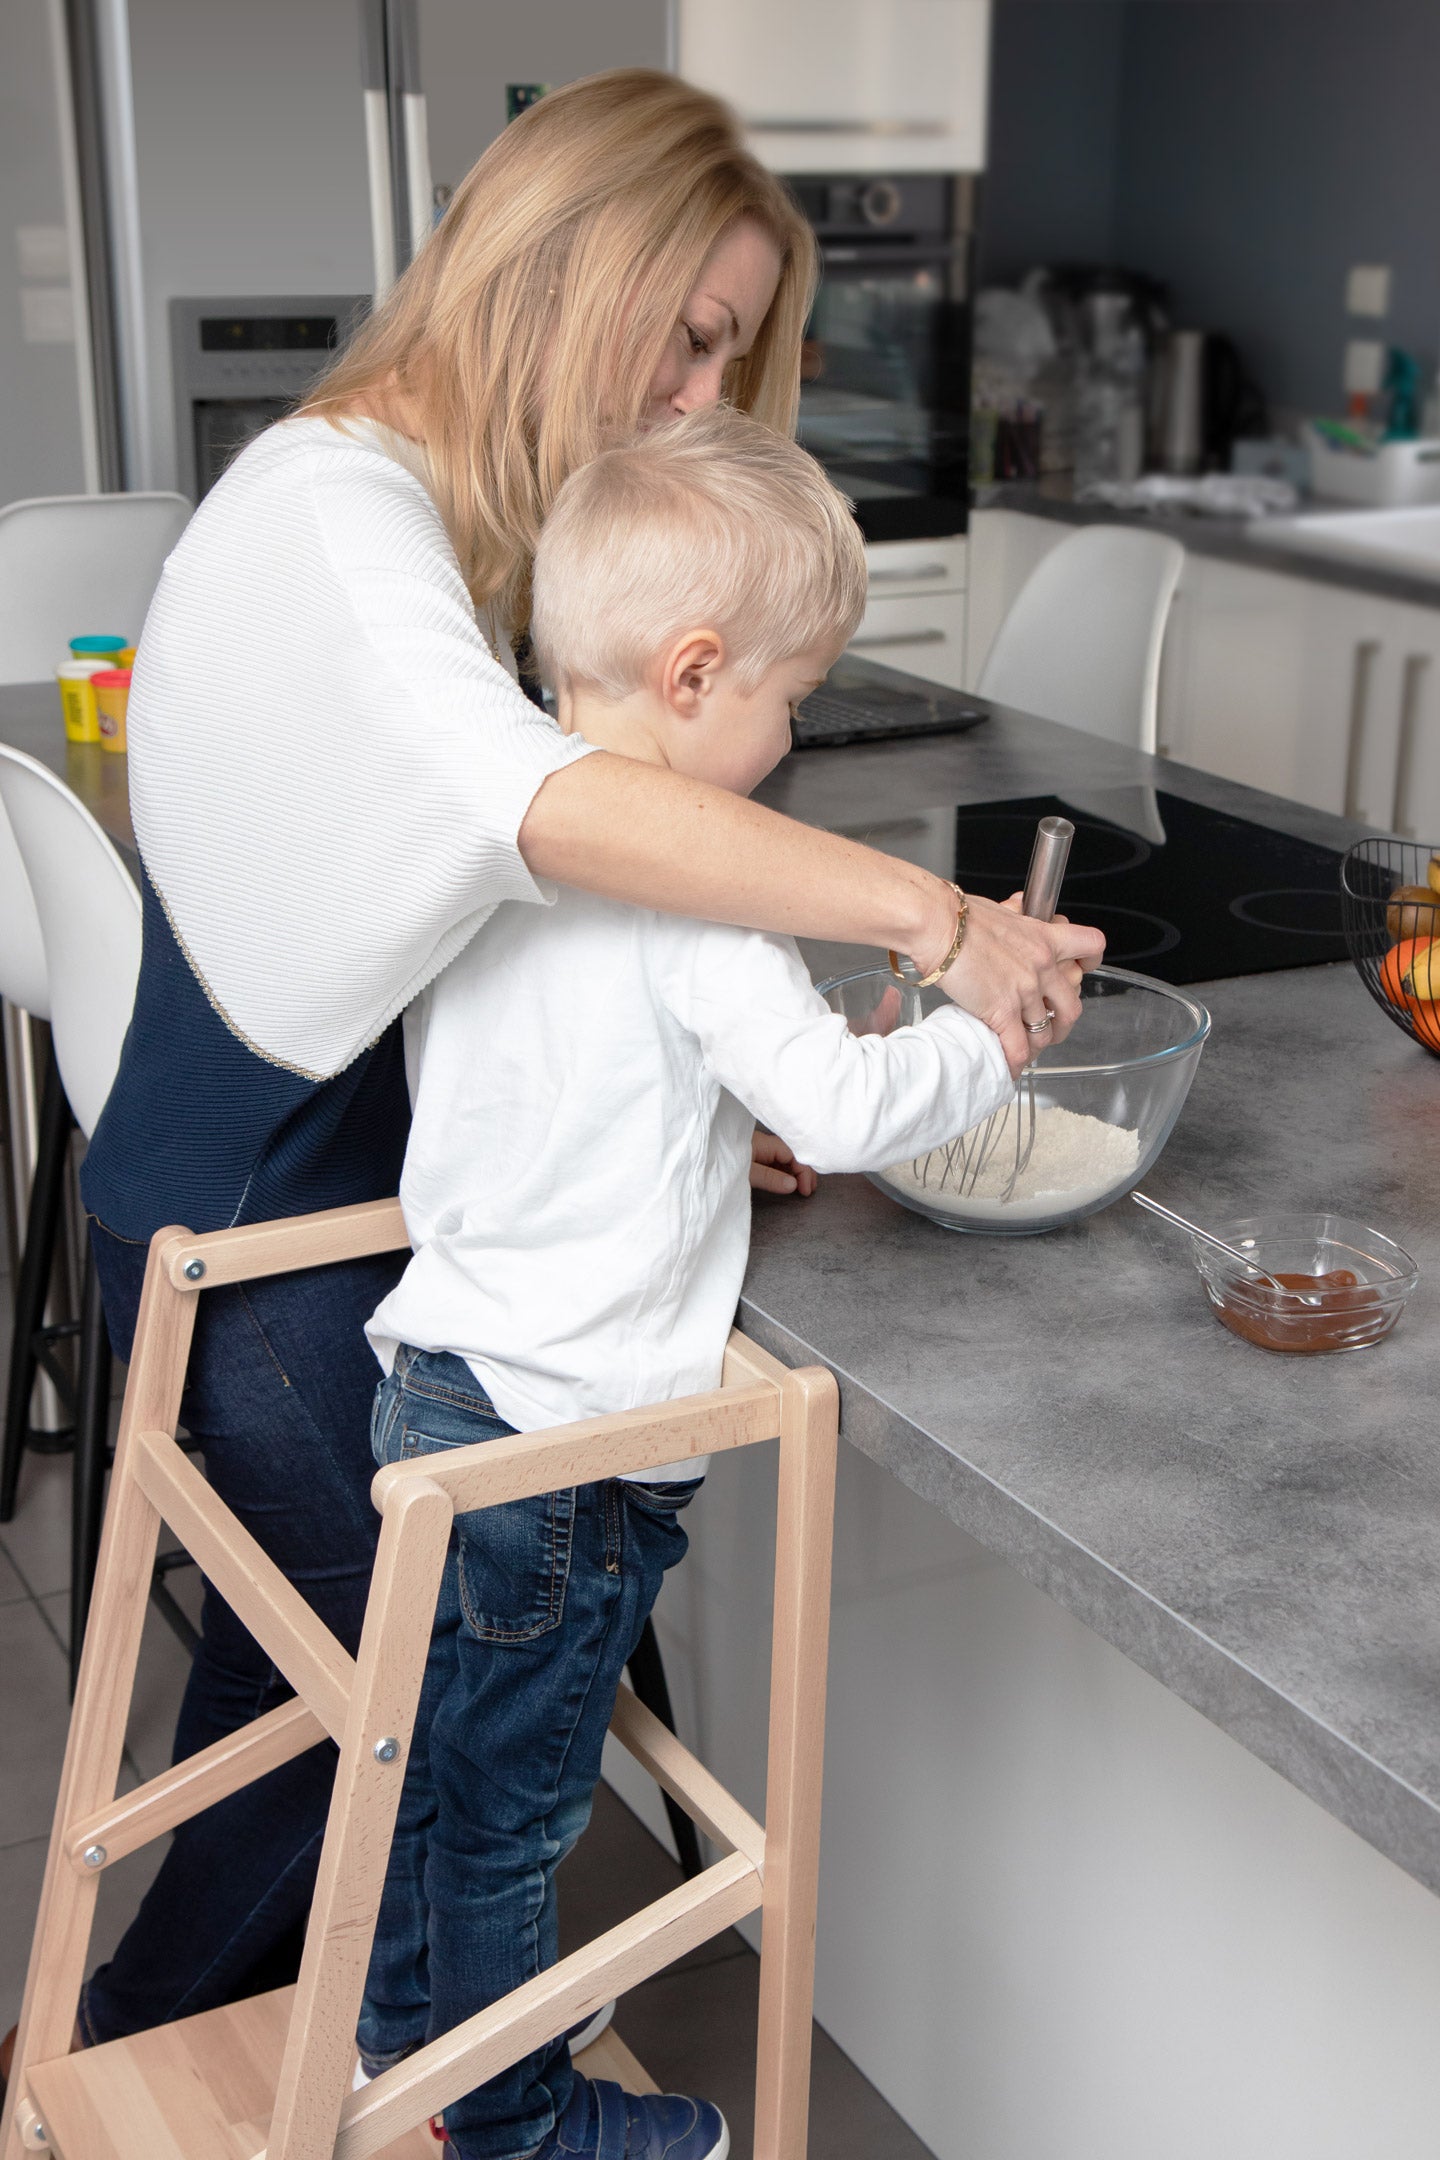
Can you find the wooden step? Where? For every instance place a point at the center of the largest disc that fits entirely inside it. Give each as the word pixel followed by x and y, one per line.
pixel 202 2088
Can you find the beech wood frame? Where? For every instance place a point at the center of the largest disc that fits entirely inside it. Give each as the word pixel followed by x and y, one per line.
pixel 111 2102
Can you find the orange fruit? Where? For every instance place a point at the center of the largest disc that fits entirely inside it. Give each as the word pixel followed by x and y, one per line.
pixel 1396 971
pixel 1425 1014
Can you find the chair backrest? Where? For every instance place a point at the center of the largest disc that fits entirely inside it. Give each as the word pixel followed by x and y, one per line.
pixel 88 908
pixel 215 2092
pixel 1081 642
pixel 77 565
pixel 22 953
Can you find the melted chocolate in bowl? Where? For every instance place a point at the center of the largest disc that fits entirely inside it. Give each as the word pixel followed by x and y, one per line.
pixel 1350 1314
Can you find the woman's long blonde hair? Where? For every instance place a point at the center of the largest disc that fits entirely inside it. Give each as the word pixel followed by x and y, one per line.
pixel 527 331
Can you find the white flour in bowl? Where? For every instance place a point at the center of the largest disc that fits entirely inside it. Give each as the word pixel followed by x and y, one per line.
pixel 1076 1161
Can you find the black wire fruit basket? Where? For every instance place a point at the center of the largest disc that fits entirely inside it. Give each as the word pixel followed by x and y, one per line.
pixel 1375 922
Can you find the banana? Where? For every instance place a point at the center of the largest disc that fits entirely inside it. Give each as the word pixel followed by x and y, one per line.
pixel 1432 873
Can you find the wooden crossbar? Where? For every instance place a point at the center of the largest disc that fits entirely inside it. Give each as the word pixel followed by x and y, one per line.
pixel 285 1627
pixel 686 1779
pixel 521 1464
pixel 280 1248
pixel 196 1783
pixel 427 2082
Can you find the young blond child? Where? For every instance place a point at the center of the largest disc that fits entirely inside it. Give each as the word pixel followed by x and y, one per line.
pixel 587 1078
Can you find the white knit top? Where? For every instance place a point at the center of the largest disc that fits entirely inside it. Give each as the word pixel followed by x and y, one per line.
pixel 353 762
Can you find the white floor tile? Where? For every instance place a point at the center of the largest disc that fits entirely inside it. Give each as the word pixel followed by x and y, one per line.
pixel 37 1541
pixel 22 1871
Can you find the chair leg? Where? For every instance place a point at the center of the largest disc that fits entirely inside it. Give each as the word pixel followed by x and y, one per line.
pixel 647 1676
pixel 92 1455
pixel 47 1197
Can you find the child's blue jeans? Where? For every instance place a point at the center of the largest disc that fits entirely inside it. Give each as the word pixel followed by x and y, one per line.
pixel 541 1603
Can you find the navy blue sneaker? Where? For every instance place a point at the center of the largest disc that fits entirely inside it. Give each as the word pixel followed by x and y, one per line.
pixel 603 2122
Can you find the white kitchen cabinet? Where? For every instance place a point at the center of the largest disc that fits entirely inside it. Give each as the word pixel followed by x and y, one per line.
pixel 846 85
pixel 1324 694
pixel 915 615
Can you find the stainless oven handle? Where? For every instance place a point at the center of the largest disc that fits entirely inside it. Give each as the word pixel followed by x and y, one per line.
pixel 909 577
pixel 898 637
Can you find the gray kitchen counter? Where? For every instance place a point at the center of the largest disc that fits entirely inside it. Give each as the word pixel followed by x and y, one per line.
pixel 1231 539
pixel 1261 1533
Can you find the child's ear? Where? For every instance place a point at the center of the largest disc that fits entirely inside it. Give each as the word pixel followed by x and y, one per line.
pixel 691 669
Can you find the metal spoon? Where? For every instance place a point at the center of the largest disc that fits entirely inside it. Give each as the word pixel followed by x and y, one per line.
pixel 1208 1237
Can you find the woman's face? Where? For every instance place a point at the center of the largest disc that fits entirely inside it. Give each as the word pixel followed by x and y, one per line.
pixel 719 322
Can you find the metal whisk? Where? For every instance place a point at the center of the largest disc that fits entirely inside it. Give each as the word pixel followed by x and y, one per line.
pixel 1008 1134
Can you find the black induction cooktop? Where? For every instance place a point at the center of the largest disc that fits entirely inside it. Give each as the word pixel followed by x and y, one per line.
pixel 1181 891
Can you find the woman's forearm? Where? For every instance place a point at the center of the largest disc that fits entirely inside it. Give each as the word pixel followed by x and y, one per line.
pixel 637 832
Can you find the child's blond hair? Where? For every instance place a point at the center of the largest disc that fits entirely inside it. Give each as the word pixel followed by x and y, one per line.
pixel 711 521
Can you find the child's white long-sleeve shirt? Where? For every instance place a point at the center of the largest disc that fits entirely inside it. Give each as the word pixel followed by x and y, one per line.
pixel 586 1080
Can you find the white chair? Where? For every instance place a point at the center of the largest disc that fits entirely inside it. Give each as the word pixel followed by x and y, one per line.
pixel 1081 642
pixel 38 1176
pixel 72 565
pixel 88 912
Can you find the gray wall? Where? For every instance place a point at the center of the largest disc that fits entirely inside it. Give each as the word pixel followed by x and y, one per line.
pixel 40 450
pixel 1256 149
pixel 1054 133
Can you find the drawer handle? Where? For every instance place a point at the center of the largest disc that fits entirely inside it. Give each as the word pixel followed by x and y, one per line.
pixel 900 637
pixel 1410 692
pixel 908 577
pixel 1367 652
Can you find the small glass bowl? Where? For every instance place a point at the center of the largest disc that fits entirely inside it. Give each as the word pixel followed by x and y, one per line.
pixel 1343 1319
pixel 1129 1062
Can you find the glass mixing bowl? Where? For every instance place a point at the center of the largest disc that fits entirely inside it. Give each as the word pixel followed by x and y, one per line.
pixel 1341 1317
pixel 1128 1065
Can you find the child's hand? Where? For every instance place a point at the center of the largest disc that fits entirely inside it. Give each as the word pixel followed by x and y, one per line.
pixel 773 1167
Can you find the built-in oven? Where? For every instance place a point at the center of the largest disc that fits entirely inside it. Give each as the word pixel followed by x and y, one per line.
pixel 885 395
pixel 236 365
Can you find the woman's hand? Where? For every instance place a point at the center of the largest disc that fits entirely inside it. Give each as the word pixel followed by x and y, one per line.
pixel 773 1167
pixel 1021 977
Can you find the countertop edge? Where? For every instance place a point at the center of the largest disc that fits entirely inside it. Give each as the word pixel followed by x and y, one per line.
pixel 1228 540
pixel 1381 1808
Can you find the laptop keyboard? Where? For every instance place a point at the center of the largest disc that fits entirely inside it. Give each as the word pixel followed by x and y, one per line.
pixel 834 715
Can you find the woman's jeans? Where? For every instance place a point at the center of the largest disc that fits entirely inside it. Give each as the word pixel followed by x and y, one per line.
pixel 541 1603
pixel 281 1384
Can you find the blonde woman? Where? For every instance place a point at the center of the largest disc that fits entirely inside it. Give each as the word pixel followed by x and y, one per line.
pixel 336 779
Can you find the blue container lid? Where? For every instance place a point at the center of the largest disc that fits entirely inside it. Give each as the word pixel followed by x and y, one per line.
pixel 87 648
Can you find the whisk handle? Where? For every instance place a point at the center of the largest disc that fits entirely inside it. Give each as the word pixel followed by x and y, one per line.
pixel 1047 867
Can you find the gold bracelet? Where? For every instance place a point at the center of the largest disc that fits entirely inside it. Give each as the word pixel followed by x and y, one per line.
pixel 922 982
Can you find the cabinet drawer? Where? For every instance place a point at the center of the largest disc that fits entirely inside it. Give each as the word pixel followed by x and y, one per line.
pixel 923 632
pixel 903 566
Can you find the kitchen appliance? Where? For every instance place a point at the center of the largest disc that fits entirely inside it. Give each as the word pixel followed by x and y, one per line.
pixel 236 365
pixel 1121 1079
pixel 864 701
pixel 1180 426
pixel 885 391
pixel 1183 891
pixel 1204 401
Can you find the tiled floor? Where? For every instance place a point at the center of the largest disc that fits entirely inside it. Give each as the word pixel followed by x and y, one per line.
pixel 693 2026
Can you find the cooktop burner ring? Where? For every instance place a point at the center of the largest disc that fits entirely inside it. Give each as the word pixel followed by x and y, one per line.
pixel 1134 921
pixel 1087 832
pixel 1243 908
